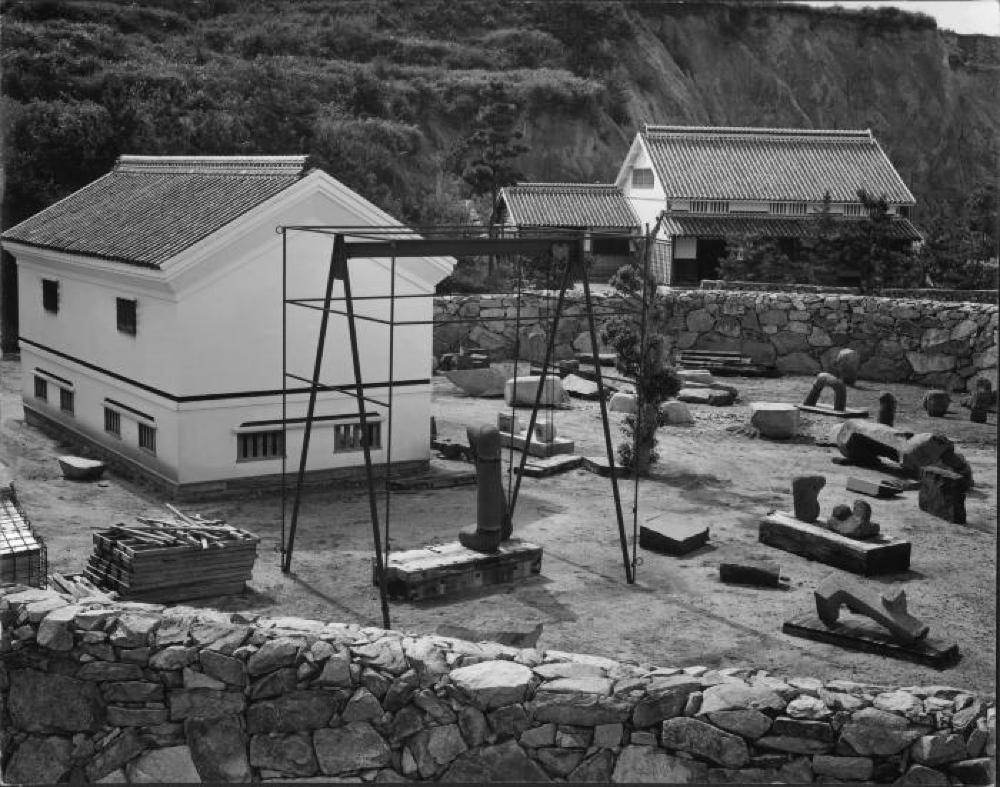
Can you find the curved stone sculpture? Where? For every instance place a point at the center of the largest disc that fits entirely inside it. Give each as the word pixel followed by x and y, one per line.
pixel 888 608
pixel 853 523
pixel 805 491
pixel 493 523
pixel 827 380
pixel 886 408
pixel 936 403
pixel 846 365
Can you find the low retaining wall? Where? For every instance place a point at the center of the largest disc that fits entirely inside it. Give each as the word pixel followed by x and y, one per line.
pixel 125 691
pixel 950 296
pixel 932 343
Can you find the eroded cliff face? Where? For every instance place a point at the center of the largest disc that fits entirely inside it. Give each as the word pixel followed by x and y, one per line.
pixel 930 97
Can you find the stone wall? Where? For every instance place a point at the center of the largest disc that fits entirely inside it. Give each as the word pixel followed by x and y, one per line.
pixel 932 343
pixel 99 692
pixel 950 296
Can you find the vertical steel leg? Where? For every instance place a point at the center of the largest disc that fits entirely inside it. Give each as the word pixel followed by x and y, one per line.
pixel 629 576
pixel 338 253
pixel 365 445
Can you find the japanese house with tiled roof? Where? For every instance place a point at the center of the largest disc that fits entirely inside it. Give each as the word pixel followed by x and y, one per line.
pixel 151 322
pixel 711 183
pixel 600 209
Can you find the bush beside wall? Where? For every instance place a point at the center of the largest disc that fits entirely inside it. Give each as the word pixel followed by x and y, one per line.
pixel 100 692
pixel 933 343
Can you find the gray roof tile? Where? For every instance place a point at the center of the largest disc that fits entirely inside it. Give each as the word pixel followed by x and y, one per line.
pixel 568 205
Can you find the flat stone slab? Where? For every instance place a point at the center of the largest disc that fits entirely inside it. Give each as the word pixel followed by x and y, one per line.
pixel 525 389
pixel 478 382
pixel 759 573
pixel 882 488
pixel 847 412
pixel 881 555
pixel 717 397
pixel 450 568
pixel 604 359
pixel 672 537
pixel 560 445
pixel 774 420
pixel 580 387
pixel 600 465
pixel 542 468
pixel 866 635
pixel 76 468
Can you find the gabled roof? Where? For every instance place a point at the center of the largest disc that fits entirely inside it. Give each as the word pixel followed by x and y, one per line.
pixel 568 205
pixel 150 208
pixel 694 162
pixel 721 226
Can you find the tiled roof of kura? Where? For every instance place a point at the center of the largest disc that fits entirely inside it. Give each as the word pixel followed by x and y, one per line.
pixel 568 205
pixel 771 164
pixel 150 208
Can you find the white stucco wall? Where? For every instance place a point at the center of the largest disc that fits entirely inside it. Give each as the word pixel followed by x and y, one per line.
pixel 209 339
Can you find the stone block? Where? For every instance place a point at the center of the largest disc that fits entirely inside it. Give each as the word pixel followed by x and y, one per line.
pixel 39 761
pixel 290 754
pixel 42 702
pixel 353 747
pixel 775 420
pixel 623 403
pixel 704 740
pixel 172 765
pixel 219 749
pixel 522 391
pixel 942 494
pixel 652 765
pixel 493 684
pixel 675 414
pixel 672 537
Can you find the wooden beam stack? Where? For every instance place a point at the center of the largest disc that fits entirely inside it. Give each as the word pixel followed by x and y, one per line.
pixel 162 560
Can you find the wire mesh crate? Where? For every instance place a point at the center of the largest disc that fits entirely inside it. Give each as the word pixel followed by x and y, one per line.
pixel 23 556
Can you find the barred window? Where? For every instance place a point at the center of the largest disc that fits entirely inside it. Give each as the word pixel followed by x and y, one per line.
pixel 709 206
pixel 66 400
pixel 112 422
pixel 854 209
pixel 50 295
pixel 147 438
pixel 41 388
pixel 642 178
pixel 254 446
pixel 347 437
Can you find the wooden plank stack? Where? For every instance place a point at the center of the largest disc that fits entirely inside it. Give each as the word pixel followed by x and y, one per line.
pixel 22 551
pixel 160 560
pixel 725 362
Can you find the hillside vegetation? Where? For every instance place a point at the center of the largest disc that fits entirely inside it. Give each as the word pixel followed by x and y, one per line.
pixel 383 94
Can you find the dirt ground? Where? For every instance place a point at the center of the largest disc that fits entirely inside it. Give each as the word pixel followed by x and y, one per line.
pixel 677 613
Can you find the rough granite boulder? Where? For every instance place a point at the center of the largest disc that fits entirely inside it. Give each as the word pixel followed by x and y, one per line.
pixel 353 747
pixel 40 702
pixel 493 684
pixel 705 741
pixel 650 764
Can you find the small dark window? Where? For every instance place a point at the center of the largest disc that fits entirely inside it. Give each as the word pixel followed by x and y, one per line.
pixel 617 246
pixel 347 437
pixel 126 315
pixel 50 295
pixel 147 438
pixel 41 389
pixel 66 400
pixel 112 422
pixel 253 446
pixel 904 211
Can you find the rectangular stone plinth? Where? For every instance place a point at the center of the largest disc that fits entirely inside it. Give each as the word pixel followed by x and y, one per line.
pixel 847 412
pixel 869 637
pixel 672 538
pixel 942 493
pixel 883 489
pixel 536 447
pixel 882 555
pixel 450 568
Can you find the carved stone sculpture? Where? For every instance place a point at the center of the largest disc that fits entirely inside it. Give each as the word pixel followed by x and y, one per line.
pixel 853 523
pixel 827 380
pixel 805 490
pixel 886 408
pixel 887 608
pixel 980 401
pixel 846 365
pixel 866 443
pixel 492 519
pixel 942 493
pixel 934 448
pixel 936 403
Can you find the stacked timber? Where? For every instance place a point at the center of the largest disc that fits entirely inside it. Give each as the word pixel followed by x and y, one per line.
pixel 162 560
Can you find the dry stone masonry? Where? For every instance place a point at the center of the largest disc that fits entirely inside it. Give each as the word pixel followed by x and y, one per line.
pixel 934 343
pixel 112 692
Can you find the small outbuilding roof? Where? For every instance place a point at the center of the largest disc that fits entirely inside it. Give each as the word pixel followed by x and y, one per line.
pixel 696 162
pixel 150 208
pixel 722 226
pixel 568 205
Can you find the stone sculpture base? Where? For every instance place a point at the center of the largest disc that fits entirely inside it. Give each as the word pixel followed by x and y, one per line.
pixel 536 447
pixel 883 489
pixel 847 412
pixel 882 555
pixel 448 569
pixel 867 636
pixel 672 538
pixel 542 468
pixel 760 573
